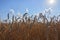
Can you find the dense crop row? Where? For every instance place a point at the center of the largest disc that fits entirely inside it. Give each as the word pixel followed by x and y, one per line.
pixel 29 29
pixel 24 31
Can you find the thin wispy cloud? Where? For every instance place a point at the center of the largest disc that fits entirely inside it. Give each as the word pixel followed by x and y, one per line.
pixel 12 11
pixel 26 10
pixel 49 10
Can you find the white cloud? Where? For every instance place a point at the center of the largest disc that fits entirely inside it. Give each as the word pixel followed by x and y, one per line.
pixel 37 14
pixel 19 14
pixel 26 10
pixel 49 10
pixel 12 11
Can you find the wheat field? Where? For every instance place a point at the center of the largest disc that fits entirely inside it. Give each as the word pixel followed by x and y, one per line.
pixel 28 30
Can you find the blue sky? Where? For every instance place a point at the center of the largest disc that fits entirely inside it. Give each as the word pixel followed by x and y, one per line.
pixel 34 6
